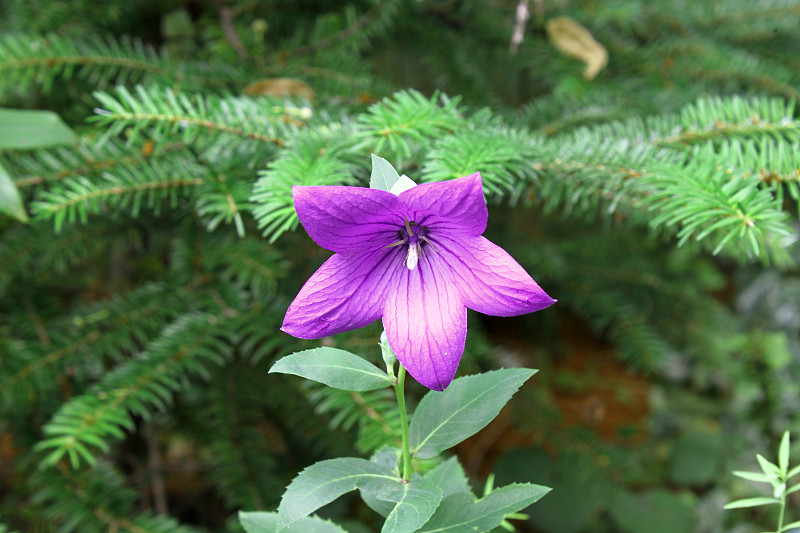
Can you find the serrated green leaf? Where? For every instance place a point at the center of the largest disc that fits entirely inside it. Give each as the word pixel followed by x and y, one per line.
pixel 10 200
pixel 443 419
pixel 383 176
pixel 262 522
pixel 26 130
pixel 323 482
pixel 414 503
pixel 449 477
pixel 388 458
pixel 751 502
pixel 783 453
pixel 333 367
pixel 382 507
pixel 461 512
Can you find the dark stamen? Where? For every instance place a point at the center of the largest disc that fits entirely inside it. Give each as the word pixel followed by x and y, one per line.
pixel 408 228
pixel 429 243
pixel 398 243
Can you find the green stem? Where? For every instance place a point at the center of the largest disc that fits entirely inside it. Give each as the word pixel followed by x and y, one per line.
pixel 399 388
pixel 780 515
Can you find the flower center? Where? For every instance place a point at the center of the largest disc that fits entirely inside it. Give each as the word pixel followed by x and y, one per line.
pixel 412 236
pixel 413 233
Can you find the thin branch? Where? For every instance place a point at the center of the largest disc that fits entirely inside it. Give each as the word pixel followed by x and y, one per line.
pixel 523 14
pixel 92 165
pixel 41 331
pixel 722 129
pixel 55 61
pixel 154 471
pixel 118 191
pixel 113 522
pixel 226 22
pixel 207 124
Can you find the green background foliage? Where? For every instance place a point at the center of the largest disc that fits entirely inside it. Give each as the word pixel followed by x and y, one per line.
pixel 140 304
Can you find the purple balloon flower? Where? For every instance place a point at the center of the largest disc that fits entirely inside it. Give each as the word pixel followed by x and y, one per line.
pixel 417 260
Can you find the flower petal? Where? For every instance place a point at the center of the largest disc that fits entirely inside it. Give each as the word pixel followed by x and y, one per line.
pixel 459 204
pixel 346 219
pixel 489 279
pixel 347 292
pixel 426 322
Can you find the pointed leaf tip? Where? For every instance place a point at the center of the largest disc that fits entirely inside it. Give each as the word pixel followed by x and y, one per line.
pixel 383 176
pixel 751 502
pixel 783 453
pixel 10 200
pixel 462 512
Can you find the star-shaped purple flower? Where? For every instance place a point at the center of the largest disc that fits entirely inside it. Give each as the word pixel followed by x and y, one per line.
pixel 418 260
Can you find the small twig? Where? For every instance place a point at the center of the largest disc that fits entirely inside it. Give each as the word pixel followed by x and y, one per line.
pixel 523 14
pixel 226 22
pixel 41 331
pixel 154 469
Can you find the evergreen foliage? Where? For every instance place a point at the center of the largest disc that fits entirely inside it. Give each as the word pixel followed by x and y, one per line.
pixel 141 306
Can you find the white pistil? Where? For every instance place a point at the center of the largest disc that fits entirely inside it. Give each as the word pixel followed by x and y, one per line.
pixel 412 258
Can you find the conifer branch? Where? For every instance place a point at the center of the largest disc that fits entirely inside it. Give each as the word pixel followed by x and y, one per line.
pixel 383 10
pixel 105 332
pixel 726 207
pixel 745 12
pixel 152 182
pixel 187 121
pixel 31 58
pixel 374 413
pixel 311 158
pixel 82 192
pixel 85 424
pixel 87 159
pixel 33 254
pixel 408 117
pixel 773 162
pixel 240 454
pixel 245 263
pixel 196 119
pixel 501 154
pixel 52 357
pixel 95 500
pixel 707 59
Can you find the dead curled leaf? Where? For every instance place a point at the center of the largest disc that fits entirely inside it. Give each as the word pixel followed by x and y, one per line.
pixel 574 40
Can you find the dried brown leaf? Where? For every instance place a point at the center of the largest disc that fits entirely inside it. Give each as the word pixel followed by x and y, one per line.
pixel 574 40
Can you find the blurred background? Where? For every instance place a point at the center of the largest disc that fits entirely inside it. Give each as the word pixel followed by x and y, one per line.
pixel 149 248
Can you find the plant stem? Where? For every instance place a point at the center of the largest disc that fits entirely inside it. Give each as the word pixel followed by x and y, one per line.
pixel 399 388
pixel 780 515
